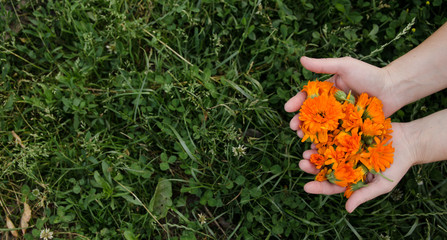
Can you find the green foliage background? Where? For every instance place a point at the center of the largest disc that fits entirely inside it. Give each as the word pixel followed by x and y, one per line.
pixel 129 111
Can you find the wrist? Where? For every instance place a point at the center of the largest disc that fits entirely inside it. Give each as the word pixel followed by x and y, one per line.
pixel 395 90
pixel 413 141
pixel 426 138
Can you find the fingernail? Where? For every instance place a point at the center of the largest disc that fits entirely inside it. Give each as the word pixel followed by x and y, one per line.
pixel 351 210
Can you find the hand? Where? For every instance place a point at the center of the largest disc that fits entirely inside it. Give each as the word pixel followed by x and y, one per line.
pixel 404 158
pixel 349 74
pixel 356 76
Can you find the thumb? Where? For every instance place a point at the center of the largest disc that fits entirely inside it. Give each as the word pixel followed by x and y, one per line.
pixel 325 65
pixel 362 195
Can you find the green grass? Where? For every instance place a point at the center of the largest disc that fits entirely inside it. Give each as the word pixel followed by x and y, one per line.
pixel 165 120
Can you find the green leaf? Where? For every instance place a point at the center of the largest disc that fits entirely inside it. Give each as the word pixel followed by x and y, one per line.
pixel 132 200
pixel 277 229
pixel 172 159
pixel 104 184
pixel 255 192
pixel 161 200
pixel 240 180
pixel 106 171
pixel 76 121
pixel 164 157
pixel 128 235
pixel 373 32
pixel 340 7
pixel 164 166
pixel 437 3
pixel 77 189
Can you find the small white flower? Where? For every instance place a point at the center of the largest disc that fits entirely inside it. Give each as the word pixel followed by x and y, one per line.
pixel 419 180
pixel 202 218
pixel 46 234
pixel 239 151
pixel 385 237
pixel 35 192
pixel 111 47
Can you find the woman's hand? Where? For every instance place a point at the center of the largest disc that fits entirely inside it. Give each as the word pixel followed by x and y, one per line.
pixel 356 76
pixel 349 75
pixel 404 158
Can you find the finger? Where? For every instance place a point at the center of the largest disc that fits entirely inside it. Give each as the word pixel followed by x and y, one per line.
pixel 308 153
pixel 300 133
pixel 362 195
pixel 313 146
pixel 294 104
pixel 322 65
pixel 339 83
pixel 295 122
pixel 325 187
pixel 369 177
pixel 308 167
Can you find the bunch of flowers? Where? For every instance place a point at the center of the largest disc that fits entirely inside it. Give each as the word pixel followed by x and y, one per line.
pixel 352 135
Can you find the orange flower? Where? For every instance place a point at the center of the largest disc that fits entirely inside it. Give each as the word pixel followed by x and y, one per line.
pixel 355 158
pixel 345 174
pixel 352 138
pixel 322 146
pixel 353 117
pixel 374 110
pixel 320 115
pixel 370 128
pixel 321 176
pixel 334 157
pixel 362 101
pixel 348 192
pixel 318 160
pixel 317 88
pixel 349 143
pixel 380 156
pixel 386 132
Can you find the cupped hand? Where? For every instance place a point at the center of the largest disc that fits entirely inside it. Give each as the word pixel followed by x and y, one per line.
pixel 377 185
pixel 356 76
pixel 349 75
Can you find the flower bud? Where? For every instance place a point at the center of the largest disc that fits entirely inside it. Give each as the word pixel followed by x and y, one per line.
pixel 341 97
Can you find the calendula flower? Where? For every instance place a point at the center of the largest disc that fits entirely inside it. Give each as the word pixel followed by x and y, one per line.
pixel 348 192
pixel 321 176
pixel 353 117
pixel 386 132
pixel 322 146
pixel 335 156
pixel 46 234
pixel 370 128
pixel 380 156
pixel 345 174
pixel 362 101
pixel 320 115
pixel 317 88
pixel 348 142
pixel 374 111
pixel 318 160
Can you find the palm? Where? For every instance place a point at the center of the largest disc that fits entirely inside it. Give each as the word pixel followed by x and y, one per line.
pixel 377 185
